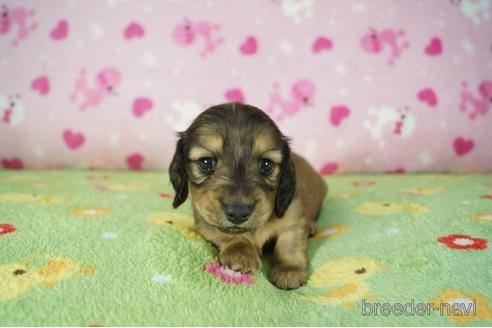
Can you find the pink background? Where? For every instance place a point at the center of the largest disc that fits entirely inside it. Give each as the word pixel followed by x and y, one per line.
pixel 168 60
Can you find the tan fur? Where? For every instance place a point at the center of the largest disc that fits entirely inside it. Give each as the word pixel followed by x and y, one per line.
pixel 241 250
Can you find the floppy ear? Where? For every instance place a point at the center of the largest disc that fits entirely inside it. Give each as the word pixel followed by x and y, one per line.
pixel 177 173
pixel 287 183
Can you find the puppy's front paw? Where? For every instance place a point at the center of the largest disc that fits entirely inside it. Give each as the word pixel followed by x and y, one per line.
pixel 240 257
pixel 286 276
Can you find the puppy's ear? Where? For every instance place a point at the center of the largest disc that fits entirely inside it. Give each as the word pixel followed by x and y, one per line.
pixel 287 183
pixel 177 173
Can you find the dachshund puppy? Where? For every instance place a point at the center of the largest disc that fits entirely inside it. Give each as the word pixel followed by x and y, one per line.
pixel 247 189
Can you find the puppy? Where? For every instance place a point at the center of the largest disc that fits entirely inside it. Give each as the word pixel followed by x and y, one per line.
pixel 247 189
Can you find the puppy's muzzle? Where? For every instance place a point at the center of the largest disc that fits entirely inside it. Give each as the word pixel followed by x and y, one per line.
pixel 237 213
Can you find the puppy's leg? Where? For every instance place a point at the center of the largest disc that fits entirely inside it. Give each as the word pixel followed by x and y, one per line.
pixel 240 255
pixel 290 260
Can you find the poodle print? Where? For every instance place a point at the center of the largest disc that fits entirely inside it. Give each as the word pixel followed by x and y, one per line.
pixel 479 105
pixel 12 111
pixel 301 95
pixel 188 32
pixel 375 41
pixel 106 82
pixel 298 10
pixel 183 113
pixel 475 10
pixel 20 16
pixel 398 121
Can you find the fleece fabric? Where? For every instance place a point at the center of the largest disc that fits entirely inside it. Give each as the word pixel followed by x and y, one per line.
pixel 100 248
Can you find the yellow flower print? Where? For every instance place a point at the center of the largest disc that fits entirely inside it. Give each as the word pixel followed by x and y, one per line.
pixel 483 217
pixel 463 307
pixel 89 212
pixel 329 232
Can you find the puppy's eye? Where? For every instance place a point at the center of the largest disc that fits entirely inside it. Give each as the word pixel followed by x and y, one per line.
pixel 266 166
pixel 206 164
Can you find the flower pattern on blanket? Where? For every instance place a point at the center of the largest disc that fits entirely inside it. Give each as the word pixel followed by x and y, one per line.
pixel 459 241
pixel 463 307
pixel 483 217
pixel 329 232
pixel 226 274
pixel 6 228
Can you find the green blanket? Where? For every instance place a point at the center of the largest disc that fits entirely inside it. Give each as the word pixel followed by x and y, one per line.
pixel 106 248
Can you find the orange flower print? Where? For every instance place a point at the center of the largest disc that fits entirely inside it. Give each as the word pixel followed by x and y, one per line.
pixel 462 307
pixel 329 232
pixel 483 217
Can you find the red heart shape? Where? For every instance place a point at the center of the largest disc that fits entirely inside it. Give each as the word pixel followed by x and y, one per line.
pixel 428 96
pixel 249 46
pixel 135 161
pixel 234 95
pixel 338 113
pixel 329 168
pixel 60 31
pixel 73 140
pixel 463 146
pixel 321 43
pixel 134 30
pixel 398 170
pixel 12 164
pixel 434 48
pixel 141 105
pixel 41 84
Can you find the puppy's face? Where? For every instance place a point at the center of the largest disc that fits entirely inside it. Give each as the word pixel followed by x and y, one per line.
pixel 237 166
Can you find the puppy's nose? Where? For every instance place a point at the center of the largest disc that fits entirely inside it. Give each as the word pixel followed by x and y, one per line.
pixel 237 212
